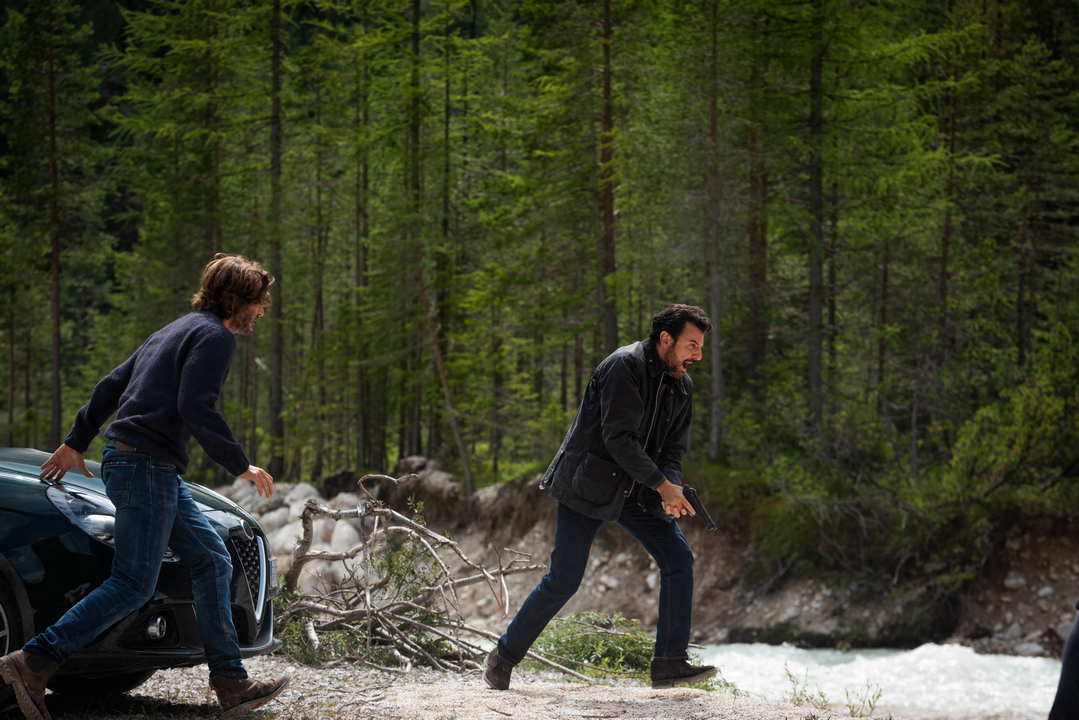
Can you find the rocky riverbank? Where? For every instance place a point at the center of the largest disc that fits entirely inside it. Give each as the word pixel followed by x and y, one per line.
pixel 1023 603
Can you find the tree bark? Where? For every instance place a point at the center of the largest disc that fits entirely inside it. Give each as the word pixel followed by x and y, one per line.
pixel 54 265
pixel 816 230
pixel 361 229
pixel 758 255
pixel 714 233
pixel 277 336
pixel 608 315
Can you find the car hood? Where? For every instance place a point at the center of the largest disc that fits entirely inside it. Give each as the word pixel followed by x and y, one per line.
pixel 26 461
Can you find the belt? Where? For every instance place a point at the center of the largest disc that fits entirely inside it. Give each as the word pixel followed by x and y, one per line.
pixel 124 447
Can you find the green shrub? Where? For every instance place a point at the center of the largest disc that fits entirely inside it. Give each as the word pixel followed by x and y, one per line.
pixel 612 642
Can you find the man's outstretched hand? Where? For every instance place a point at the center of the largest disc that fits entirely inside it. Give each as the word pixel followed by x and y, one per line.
pixel 262 479
pixel 63 459
pixel 674 502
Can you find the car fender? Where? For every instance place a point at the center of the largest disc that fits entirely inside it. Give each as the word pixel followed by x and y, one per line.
pixel 26 613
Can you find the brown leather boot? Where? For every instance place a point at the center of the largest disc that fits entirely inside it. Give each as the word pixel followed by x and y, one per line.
pixel 239 696
pixel 28 675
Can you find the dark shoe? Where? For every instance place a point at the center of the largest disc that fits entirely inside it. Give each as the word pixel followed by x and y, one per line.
pixel 668 672
pixel 497 671
pixel 28 675
pixel 239 696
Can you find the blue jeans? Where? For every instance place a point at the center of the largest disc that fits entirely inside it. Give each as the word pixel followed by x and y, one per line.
pixel 574 533
pixel 1066 702
pixel 154 510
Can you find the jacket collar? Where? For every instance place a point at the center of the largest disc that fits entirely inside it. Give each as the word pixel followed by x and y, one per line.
pixel 656 367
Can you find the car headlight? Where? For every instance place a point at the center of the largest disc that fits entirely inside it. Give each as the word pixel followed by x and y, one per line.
pixel 94 514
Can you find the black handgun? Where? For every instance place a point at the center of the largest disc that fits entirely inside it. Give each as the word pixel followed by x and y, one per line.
pixel 698 507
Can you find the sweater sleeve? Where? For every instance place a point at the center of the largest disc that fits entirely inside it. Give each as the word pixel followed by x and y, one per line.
pixel 201 377
pixel 103 402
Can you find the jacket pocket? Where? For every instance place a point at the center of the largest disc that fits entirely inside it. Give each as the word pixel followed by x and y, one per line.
pixel 598 481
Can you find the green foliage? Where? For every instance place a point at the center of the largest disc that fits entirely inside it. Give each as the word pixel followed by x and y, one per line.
pixel 800 692
pixel 863 703
pixel 611 642
pixel 438 188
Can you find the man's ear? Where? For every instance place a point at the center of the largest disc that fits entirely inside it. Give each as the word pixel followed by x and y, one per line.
pixel 665 338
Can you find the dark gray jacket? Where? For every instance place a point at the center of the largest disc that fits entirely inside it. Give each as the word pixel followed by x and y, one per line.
pixel 632 428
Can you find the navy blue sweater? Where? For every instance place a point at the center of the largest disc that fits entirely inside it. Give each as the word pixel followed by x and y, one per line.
pixel 165 393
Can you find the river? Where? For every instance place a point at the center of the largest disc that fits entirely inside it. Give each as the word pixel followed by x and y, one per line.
pixel 949 678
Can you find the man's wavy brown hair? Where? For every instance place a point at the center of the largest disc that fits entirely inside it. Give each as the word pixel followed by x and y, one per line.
pixel 229 282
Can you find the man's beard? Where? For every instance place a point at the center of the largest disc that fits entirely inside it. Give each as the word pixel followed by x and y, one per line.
pixel 670 362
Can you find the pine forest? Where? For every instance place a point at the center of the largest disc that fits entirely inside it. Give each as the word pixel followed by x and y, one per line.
pixel 468 203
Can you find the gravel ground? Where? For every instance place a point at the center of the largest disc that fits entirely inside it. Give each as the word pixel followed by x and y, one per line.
pixel 348 692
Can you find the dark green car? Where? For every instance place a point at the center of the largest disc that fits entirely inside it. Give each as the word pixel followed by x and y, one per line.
pixel 56 546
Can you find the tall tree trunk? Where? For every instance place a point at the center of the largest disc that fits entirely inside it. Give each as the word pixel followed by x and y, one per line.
pixel 608 316
pixel 1022 301
pixel 319 312
pixel 213 155
pixel 816 230
pixel 277 336
pixel 946 239
pixel 361 229
pixel 54 266
pixel 759 314
pixel 833 291
pixel 11 371
pixel 882 326
pixel 714 233
pixel 414 388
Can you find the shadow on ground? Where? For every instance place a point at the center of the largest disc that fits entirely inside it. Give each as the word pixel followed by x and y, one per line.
pixel 120 707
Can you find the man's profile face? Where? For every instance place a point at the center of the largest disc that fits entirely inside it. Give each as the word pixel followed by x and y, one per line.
pixel 243 320
pixel 681 352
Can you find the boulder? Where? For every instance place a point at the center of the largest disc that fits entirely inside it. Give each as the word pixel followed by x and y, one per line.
pixel 283 541
pixel 301 492
pixel 344 537
pixel 274 520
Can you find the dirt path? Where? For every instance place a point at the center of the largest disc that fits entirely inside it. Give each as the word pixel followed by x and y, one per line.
pixel 349 692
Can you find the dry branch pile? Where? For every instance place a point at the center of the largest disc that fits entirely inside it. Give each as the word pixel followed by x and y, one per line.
pixel 398 603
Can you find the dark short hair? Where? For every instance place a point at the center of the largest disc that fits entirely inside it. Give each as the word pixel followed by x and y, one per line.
pixel 229 282
pixel 673 319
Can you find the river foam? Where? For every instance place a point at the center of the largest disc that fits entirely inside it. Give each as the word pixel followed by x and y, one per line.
pixel 948 678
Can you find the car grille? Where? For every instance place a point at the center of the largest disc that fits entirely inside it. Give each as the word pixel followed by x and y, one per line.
pixel 252 553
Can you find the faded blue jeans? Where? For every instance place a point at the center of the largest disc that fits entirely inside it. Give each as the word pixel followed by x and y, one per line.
pixel 154 511
pixel 574 533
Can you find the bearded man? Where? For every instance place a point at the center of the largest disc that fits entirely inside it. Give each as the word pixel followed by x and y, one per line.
pixel 621 460
pixel 164 393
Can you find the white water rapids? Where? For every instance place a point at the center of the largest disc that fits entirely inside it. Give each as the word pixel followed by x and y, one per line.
pixel 948 679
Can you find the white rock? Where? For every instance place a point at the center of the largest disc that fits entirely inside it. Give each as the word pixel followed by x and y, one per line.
pixel 345 501
pixel 283 541
pixel 323 530
pixel 1014 632
pixel 301 492
pixel 651 581
pixel 1014 581
pixel 1029 649
pixel 344 537
pixel 1046 591
pixel 608 582
pixel 274 520
pixel 296 508
pixel 317 577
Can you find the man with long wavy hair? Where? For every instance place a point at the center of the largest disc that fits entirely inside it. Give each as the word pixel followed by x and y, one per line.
pixel 164 393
